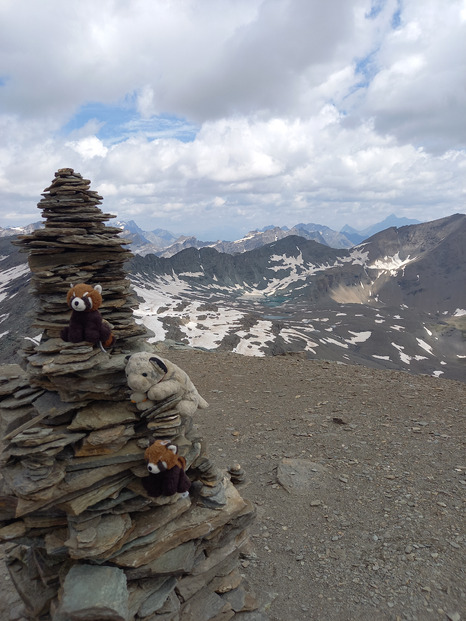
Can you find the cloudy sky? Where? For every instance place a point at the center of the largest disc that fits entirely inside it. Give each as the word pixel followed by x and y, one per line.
pixel 216 117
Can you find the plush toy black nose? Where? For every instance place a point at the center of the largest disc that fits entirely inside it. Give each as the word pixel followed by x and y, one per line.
pixel 75 303
pixel 149 467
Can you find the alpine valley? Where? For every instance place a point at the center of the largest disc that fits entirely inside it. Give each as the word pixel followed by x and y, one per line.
pixel 396 301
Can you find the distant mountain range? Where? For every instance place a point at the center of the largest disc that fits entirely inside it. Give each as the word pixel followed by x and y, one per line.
pixel 20 230
pixel 395 301
pixel 391 221
pixel 164 244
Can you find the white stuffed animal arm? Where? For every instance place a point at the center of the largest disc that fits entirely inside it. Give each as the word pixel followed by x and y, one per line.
pixel 164 389
pixel 138 397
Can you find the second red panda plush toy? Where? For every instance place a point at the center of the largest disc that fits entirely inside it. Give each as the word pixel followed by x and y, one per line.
pixel 167 470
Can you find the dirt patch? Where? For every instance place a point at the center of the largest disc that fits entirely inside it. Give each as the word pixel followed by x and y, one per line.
pixel 381 534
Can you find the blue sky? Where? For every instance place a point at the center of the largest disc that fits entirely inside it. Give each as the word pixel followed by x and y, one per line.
pixel 115 123
pixel 216 117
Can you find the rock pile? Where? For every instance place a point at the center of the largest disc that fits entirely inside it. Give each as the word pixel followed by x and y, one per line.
pixel 86 541
pixel 76 246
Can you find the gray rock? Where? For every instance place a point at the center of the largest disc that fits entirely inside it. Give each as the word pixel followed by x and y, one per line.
pixel 179 560
pixel 93 593
pixel 27 481
pixel 170 610
pixel 80 502
pixel 18 401
pixel 189 585
pixel 130 453
pixel 157 599
pixel 50 405
pixel 24 574
pixel 99 540
pixel 301 476
pixel 254 615
pixel 204 606
pixel 104 441
pixel 236 598
pixel 15 421
pixel 102 414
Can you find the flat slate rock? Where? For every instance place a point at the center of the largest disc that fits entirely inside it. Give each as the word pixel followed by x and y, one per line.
pixel 177 561
pixel 301 476
pixel 50 405
pixel 92 593
pixel 103 414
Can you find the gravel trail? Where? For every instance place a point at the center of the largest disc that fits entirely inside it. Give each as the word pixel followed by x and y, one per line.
pixel 372 524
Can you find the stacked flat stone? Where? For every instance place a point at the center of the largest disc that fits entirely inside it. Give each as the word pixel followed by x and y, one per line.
pixel 237 474
pixel 75 246
pixel 85 539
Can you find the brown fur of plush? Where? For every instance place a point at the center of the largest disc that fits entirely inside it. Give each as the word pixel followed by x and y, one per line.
pixel 86 322
pixel 80 290
pixel 167 476
pixel 159 451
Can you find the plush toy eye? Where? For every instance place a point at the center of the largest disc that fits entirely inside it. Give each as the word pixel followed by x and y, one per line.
pixel 144 375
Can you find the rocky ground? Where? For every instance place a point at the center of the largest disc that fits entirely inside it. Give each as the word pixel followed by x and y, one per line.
pixel 358 476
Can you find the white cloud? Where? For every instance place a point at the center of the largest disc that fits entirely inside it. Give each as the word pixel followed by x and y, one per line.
pixel 419 93
pixel 88 147
pixel 290 115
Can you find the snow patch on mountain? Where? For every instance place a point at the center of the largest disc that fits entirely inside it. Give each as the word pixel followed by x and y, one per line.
pixel 6 276
pixel 357 256
pixel 254 339
pixel 335 342
pixel 293 335
pixel 207 330
pixel 404 357
pixel 201 328
pixel 358 337
pixel 392 264
pixel 425 346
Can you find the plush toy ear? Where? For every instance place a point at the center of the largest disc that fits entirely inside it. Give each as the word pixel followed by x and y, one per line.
pixel 127 358
pixel 71 285
pixel 98 288
pixel 159 363
pixel 172 448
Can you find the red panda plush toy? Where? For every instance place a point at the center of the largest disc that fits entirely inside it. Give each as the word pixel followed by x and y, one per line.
pixel 167 476
pixel 86 323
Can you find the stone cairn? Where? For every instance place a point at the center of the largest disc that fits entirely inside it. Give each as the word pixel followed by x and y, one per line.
pixel 84 540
